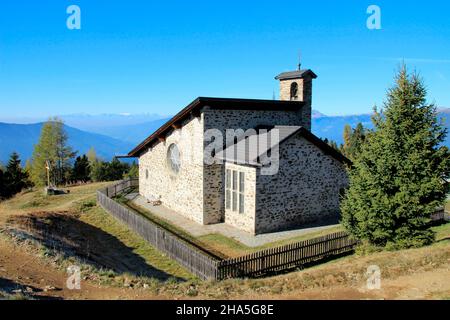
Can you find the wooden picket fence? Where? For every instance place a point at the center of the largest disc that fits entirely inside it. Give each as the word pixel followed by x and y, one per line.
pixel 208 266
pixel 286 257
pixel 193 259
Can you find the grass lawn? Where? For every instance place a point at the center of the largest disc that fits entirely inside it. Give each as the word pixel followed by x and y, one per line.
pixel 219 244
pixel 82 201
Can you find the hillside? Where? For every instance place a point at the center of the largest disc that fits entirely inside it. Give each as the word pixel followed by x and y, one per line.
pixel 40 236
pixel 22 138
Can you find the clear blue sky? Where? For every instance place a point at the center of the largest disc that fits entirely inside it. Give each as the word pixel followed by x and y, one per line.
pixel 156 56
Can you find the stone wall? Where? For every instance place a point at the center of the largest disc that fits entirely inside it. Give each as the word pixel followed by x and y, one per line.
pixel 244 221
pixel 304 94
pixel 305 190
pixel 197 191
pixel 234 119
pixel 182 191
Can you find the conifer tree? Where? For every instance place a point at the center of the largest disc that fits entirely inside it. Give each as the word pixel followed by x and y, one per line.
pixel 2 185
pixel 81 169
pixel 15 178
pixel 52 149
pixel 353 141
pixel 399 179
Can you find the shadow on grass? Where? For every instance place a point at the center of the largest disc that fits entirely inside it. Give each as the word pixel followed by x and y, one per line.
pixel 71 237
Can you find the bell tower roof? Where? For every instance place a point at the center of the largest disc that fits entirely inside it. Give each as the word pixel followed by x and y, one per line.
pixel 298 74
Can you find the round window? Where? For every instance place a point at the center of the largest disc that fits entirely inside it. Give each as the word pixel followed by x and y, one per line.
pixel 173 158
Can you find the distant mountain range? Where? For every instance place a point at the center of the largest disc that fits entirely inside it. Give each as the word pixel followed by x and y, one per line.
pixel 22 138
pixel 112 135
pixel 332 127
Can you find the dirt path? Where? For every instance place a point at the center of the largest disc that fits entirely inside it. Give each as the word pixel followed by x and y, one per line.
pixel 425 285
pixel 20 269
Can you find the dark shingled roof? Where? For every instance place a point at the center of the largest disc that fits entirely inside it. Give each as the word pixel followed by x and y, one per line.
pixel 296 74
pixel 246 151
pixel 194 109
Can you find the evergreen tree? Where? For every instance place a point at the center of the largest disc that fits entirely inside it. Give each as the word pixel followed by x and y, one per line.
pixel 81 169
pixel 27 169
pixel 133 171
pixel 347 136
pixel 15 178
pixel 116 170
pixel 353 141
pixel 399 179
pixel 334 145
pixel 52 149
pixel 2 185
pixel 98 171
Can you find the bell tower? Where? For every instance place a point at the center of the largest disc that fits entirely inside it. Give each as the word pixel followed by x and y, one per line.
pixel 297 86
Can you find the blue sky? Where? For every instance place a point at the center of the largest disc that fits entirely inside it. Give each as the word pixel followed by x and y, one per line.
pixel 157 56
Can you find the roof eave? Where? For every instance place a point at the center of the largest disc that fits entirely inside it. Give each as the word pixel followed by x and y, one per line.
pixel 216 103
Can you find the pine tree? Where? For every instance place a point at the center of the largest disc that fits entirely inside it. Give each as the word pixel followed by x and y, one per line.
pixel 52 149
pixel 116 170
pixel 399 179
pixel 98 171
pixel 15 178
pixel 27 169
pixel 334 145
pixel 2 185
pixel 347 136
pixel 81 169
pixel 133 172
pixel 353 141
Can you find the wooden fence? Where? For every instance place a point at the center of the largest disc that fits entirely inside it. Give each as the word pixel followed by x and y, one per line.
pixel 286 257
pixel 197 262
pixel 207 266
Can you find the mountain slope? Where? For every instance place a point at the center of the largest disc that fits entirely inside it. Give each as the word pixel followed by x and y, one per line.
pixel 134 133
pixel 22 138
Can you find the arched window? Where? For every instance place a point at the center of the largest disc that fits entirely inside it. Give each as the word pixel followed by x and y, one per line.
pixel 173 158
pixel 294 91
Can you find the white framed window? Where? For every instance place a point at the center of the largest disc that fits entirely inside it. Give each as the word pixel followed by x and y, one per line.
pixel 241 191
pixel 228 189
pixel 234 190
pixel 234 198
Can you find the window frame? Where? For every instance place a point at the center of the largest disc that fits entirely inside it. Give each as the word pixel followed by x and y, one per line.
pixel 235 190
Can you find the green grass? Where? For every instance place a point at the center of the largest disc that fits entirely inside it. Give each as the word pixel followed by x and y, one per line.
pixel 219 244
pixel 82 200
pixel 174 229
pixel 97 217
pixel 235 248
pixel 442 231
